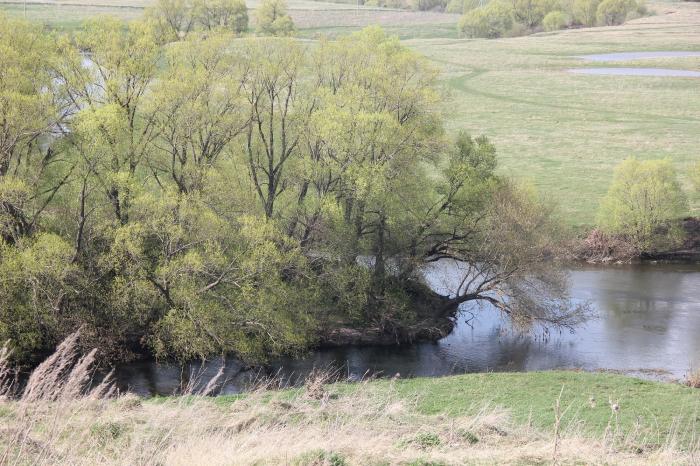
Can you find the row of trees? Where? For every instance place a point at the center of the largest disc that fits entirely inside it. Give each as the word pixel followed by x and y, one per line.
pixel 240 195
pixel 499 18
pixel 645 203
pixel 175 19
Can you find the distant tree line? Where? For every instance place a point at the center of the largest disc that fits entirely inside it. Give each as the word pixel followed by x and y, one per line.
pixel 500 18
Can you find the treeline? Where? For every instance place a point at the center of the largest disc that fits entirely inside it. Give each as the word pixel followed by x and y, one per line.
pixel 175 19
pixel 502 18
pixel 221 195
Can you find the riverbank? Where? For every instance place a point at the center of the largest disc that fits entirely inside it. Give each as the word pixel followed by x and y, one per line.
pixel 600 248
pixel 469 419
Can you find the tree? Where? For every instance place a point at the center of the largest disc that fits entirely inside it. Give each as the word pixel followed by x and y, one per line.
pixel 272 19
pixel 554 20
pixel 614 12
pixel 231 15
pixel 585 11
pixel 32 109
pixel 643 201
pixel 491 21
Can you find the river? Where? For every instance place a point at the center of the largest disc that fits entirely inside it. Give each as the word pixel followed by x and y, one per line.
pixel 647 324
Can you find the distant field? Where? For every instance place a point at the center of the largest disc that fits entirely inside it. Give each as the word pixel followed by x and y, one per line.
pixel 564 132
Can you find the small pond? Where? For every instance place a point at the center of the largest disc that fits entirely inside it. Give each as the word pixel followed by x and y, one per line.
pixel 627 56
pixel 664 72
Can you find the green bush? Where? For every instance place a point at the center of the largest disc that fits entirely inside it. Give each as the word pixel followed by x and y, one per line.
pixel 490 21
pixel 554 21
pixel 428 5
pixel 614 12
pixel 643 204
pixel 320 458
pixel 530 13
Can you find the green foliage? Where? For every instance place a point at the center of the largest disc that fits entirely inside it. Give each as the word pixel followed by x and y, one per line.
pixel 530 13
pixel 426 440
pixel 642 203
pixel 212 196
pixel 614 12
pixel 491 21
pixel 428 5
pixel 554 20
pixel 695 176
pixel 320 458
pixel 175 19
pixel 585 11
pixel 272 19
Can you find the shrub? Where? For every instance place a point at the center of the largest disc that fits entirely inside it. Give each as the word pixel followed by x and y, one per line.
pixel 554 21
pixel 531 12
pixel 614 12
pixel 320 458
pixel 584 11
pixel 427 440
pixel 643 201
pixel 490 21
pixel 428 5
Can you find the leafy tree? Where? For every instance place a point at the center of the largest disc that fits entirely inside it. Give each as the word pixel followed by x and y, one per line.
pixel 231 15
pixel 613 12
pixel 585 11
pixel 272 19
pixel 643 201
pixel 491 21
pixel 554 20
pixel 531 12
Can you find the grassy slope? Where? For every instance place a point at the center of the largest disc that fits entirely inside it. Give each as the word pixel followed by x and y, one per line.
pixel 562 131
pixel 530 397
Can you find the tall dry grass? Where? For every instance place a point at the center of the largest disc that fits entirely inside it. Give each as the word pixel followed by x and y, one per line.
pixel 62 416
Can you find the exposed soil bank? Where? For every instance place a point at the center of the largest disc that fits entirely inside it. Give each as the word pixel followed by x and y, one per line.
pixel 599 248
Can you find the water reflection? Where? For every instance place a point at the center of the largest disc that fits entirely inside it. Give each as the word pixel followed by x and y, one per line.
pixel 649 319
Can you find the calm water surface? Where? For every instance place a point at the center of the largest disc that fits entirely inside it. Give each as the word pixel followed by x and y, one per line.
pixel 627 56
pixel 664 72
pixel 648 321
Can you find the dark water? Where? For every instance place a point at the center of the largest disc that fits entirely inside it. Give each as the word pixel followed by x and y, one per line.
pixel 648 324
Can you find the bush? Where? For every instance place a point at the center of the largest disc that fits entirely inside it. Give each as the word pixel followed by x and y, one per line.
pixel 428 5
pixel 490 21
pixel 554 21
pixel 531 12
pixel 614 12
pixel 644 200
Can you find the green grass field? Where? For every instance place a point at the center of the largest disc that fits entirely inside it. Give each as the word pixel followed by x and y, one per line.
pixel 562 131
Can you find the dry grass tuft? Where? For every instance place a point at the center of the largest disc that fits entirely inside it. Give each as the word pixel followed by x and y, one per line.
pixel 693 379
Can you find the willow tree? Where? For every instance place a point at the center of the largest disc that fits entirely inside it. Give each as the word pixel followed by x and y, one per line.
pixel 643 201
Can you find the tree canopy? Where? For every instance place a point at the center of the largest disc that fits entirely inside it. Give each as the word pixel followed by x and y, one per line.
pixel 210 196
pixel 643 200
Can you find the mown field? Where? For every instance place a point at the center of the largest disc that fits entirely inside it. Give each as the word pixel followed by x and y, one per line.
pixel 564 132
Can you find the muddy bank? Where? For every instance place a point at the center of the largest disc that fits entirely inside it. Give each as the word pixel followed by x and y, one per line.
pixel 601 248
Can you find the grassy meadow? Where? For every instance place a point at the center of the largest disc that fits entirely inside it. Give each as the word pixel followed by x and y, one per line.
pixel 564 132
pixel 534 418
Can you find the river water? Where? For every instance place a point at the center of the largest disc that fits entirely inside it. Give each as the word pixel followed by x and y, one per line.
pixel 647 324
